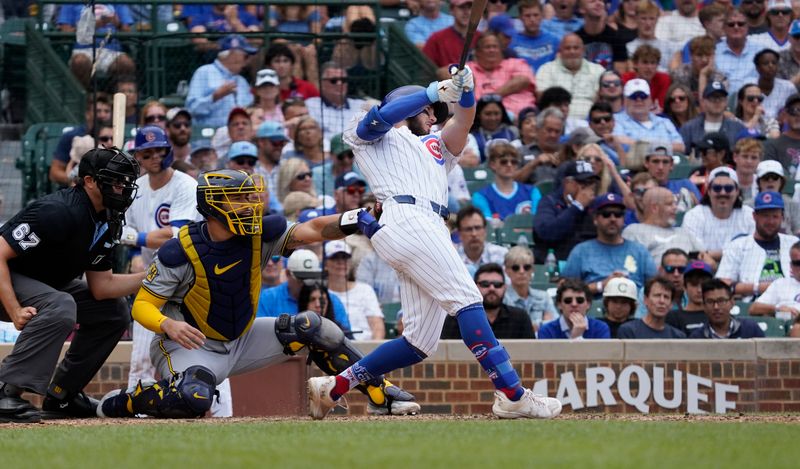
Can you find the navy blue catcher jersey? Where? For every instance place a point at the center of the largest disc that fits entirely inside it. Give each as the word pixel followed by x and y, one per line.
pixel 58 237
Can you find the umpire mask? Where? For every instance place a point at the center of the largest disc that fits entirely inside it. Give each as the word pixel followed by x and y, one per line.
pixel 115 172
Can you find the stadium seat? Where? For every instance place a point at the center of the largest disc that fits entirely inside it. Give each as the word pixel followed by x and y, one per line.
pixel 545 187
pixel 509 236
pixel 772 327
pixel 519 222
pixel 596 310
pixel 478 174
pixel 390 311
pixel 682 171
pixel 475 186
pixel 740 309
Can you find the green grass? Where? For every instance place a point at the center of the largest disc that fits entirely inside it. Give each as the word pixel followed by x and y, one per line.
pixel 452 444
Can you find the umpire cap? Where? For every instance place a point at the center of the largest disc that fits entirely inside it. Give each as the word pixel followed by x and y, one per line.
pixel 440 109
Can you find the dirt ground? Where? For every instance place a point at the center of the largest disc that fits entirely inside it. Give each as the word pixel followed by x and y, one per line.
pixel 730 418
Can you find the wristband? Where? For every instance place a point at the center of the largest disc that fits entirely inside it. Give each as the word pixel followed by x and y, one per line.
pixel 467 99
pixel 755 288
pixel 599 286
pixel 141 239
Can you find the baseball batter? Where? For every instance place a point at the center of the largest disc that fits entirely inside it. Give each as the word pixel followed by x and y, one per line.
pixel 406 166
pixel 200 296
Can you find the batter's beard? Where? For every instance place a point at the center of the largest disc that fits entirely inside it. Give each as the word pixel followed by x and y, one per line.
pixel 416 127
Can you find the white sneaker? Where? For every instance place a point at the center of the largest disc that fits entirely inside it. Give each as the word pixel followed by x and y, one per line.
pixel 319 396
pixel 529 406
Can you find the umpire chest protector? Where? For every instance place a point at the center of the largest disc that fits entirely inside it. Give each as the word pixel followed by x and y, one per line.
pixel 223 299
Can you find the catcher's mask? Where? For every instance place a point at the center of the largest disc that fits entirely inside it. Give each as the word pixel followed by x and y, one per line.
pixel 232 197
pixel 115 172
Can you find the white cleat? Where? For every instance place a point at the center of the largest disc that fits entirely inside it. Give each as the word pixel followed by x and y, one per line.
pixel 398 408
pixel 530 405
pixel 320 402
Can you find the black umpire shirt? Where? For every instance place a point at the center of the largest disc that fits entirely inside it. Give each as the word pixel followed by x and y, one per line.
pixel 511 323
pixel 58 237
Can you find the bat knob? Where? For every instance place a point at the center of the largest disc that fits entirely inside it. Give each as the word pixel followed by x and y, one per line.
pixel 452 69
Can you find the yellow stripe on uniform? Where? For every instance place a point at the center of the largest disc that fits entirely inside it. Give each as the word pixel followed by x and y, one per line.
pixel 166 355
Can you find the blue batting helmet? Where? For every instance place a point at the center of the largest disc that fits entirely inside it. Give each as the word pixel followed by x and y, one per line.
pixel 153 136
pixel 439 109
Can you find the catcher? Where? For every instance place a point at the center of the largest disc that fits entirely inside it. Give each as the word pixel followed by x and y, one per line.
pixel 200 297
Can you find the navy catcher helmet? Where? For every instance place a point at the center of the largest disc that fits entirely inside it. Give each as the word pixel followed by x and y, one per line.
pixel 232 197
pixel 112 169
pixel 440 109
pixel 153 136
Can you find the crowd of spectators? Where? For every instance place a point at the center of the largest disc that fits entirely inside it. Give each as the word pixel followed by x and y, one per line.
pixel 649 147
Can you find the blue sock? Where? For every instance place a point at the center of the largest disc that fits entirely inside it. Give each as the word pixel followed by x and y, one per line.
pixel 389 356
pixel 477 334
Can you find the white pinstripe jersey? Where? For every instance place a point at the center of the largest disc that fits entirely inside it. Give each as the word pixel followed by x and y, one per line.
pixel 401 163
pixel 152 210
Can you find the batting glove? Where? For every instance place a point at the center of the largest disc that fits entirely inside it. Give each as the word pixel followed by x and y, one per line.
pixel 443 91
pixel 368 224
pixel 462 78
pixel 131 237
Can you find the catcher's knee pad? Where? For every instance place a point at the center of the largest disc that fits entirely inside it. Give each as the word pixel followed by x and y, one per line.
pixel 186 395
pixel 328 347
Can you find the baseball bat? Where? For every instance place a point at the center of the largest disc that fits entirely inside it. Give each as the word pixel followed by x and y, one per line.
pixel 118 119
pixel 475 15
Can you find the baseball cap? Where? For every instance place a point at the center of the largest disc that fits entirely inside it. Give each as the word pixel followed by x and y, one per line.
pixel 201 145
pixel 338 146
pixel 723 171
pixel 792 99
pixel 580 170
pixel 525 113
pixel 794 29
pixel 769 167
pixel 620 287
pixel 606 200
pixel 779 5
pixel 659 149
pixel 237 111
pixel 714 141
pixel 267 76
pixel 236 41
pixel 304 264
pixel 348 179
pixel 747 132
pixel 715 87
pixel 337 247
pixel 502 24
pixel 242 149
pixel 637 85
pixel 312 213
pixel 768 200
pixel 271 130
pixel 698 266
pixel 583 136
pixel 176 111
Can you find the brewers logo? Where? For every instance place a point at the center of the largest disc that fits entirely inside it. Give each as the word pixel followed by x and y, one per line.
pixel 434 147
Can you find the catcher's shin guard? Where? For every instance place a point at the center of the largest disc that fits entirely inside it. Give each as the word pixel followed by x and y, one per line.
pixel 185 395
pixel 332 352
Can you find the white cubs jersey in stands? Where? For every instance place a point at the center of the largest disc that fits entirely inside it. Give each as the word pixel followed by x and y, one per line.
pixel 414 239
pixel 154 209
pixel 403 163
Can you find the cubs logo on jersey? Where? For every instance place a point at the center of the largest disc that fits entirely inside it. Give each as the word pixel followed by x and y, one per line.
pixel 162 215
pixel 433 145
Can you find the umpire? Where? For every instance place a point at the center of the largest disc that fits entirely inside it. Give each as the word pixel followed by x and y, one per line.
pixel 44 250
